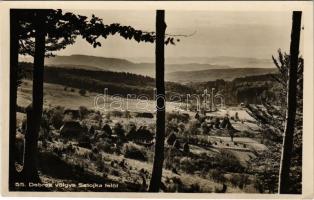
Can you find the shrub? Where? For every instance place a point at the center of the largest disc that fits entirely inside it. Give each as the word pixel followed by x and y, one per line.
pixel 108 115
pixel 134 151
pixel 205 128
pixel 104 146
pixel 180 117
pixel 181 127
pixel 218 175
pixel 95 116
pixel 127 114
pixel 187 165
pixel 177 144
pixel 118 130
pixel 56 118
pixel 99 163
pixel 83 111
pixel 194 127
pixel 171 126
pixel 115 172
pixel 186 148
pixel 229 162
pixel 82 92
pixel 235 180
pixel 236 116
pixel 171 139
pixel 195 187
pixel 244 180
pixel 116 113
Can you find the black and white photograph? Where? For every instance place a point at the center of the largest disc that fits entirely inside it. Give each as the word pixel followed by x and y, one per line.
pixel 156 100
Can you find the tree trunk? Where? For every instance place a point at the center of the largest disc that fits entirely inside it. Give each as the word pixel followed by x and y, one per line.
pixel 160 85
pixel 14 45
pixel 291 105
pixel 30 172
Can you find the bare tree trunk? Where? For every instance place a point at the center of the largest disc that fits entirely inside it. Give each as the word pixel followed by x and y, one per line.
pixel 30 171
pixel 160 84
pixel 291 104
pixel 14 45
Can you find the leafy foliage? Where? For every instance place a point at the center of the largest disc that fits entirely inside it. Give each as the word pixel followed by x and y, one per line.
pixel 273 117
pixel 134 151
pixel 63 28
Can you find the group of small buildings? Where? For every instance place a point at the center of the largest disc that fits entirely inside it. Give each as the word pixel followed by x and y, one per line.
pixel 73 129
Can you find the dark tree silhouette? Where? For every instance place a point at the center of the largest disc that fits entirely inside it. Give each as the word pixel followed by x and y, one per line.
pixel 30 172
pixel 160 84
pixel 291 104
pixel 52 30
pixel 272 119
pixel 275 118
pixel 14 45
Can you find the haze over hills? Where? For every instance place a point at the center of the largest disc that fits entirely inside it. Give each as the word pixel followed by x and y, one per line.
pixel 235 62
pixel 181 69
pixel 123 65
pixel 214 74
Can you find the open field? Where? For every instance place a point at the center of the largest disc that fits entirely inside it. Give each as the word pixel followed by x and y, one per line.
pixel 55 95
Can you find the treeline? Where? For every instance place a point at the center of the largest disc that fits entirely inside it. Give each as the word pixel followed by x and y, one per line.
pixel 119 83
pixel 250 89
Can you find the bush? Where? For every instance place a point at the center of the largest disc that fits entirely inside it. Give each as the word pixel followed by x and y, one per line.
pixel 104 146
pixel 117 113
pixel 235 180
pixel 95 116
pixel 82 92
pixel 187 165
pixel 186 148
pixel 119 131
pixel 228 162
pixel 218 175
pixel 83 111
pixel 108 115
pixel 180 117
pixel 171 139
pixel 171 126
pixel 127 114
pixel 134 151
pixel 194 127
pixel 56 118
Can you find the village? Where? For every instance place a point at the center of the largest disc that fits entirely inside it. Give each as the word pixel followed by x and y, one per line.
pixel 127 138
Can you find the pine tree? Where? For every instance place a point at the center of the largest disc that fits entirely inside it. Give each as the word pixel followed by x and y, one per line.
pixel 284 176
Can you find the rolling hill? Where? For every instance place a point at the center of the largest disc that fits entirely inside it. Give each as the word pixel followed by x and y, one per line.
pixel 234 62
pixel 214 74
pixel 195 69
pixel 121 83
pixel 123 65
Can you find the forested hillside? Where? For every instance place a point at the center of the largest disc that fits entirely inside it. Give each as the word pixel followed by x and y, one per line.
pixel 250 89
pixel 121 83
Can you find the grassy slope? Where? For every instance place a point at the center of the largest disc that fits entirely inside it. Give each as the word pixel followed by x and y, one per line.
pixel 55 95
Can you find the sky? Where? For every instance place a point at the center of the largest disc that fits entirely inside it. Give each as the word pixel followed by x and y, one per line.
pixel 236 34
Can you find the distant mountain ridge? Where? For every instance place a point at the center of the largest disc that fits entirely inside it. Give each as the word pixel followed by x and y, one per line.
pixel 189 70
pixel 78 59
pixel 214 74
pixel 122 65
pixel 235 62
